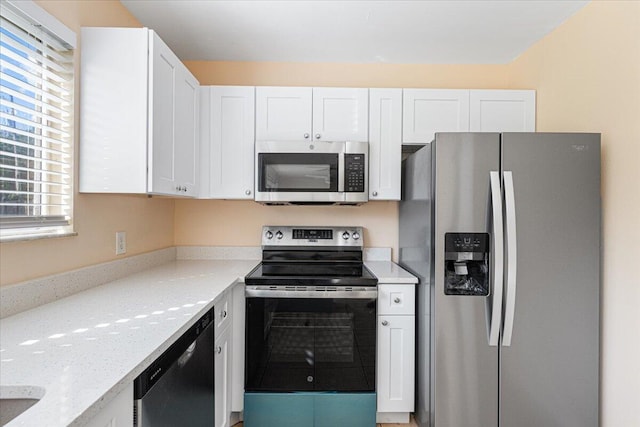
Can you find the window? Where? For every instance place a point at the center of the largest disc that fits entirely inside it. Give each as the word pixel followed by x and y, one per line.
pixel 36 122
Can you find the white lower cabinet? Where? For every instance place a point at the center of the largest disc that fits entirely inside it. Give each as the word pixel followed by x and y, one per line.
pixel 117 413
pixel 229 356
pixel 222 378
pixel 237 348
pixel 395 367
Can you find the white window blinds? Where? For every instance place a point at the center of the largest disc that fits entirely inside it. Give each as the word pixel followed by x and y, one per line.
pixel 36 126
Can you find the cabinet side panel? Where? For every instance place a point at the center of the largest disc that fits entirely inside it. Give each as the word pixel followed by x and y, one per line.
pixel 113 110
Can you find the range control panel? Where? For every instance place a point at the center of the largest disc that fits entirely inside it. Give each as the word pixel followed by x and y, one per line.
pixel 354 173
pixel 280 235
pixel 306 233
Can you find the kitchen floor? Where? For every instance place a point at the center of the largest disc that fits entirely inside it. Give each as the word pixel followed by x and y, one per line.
pixel 412 423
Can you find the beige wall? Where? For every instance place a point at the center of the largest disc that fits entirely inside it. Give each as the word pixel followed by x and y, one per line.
pixel 587 77
pixel 238 223
pixel 148 222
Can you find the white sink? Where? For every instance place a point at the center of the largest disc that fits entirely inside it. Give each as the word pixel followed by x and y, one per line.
pixel 14 400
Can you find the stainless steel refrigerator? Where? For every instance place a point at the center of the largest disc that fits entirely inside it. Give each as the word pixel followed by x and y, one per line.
pixel 503 231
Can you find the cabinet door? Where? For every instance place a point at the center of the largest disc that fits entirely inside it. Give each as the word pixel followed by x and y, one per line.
pixel 340 114
pixel 283 113
pixel 237 348
pixel 385 143
pixel 222 383
pixel 117 413
pixel 396 363
pixel 231 142
pixel 162 98
pixel 427 111
pixel 187 161
pixel 502 111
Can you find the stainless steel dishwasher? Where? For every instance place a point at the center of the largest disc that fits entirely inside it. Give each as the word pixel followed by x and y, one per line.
pixel 177 389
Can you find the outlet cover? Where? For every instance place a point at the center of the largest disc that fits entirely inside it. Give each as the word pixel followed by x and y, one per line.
pixel 121 242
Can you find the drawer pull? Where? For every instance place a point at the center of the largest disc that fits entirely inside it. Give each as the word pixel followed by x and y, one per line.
pixel 396 300
pixel 385 323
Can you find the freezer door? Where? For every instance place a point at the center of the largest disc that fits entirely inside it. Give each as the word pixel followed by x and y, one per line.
pixel 549 370
pixel 464 382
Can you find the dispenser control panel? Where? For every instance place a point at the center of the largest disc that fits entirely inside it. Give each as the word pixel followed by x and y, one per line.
pixel 466 257
pixel 466 242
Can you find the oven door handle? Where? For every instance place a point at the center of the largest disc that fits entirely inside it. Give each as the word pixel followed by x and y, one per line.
pixel 280 293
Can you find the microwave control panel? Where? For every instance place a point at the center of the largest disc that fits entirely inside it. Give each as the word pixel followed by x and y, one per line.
pixel 354 173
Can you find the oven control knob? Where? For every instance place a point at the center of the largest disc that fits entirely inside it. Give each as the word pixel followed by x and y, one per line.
pixel 346 235
pixel 355 235
pixel 269 235
pixel 279 234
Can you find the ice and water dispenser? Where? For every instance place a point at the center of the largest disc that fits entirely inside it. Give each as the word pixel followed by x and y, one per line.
pixel 466 261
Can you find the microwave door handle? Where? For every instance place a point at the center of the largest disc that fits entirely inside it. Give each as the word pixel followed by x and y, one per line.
pixel 341 172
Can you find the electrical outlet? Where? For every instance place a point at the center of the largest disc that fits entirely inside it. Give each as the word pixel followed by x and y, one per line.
pixel 121 242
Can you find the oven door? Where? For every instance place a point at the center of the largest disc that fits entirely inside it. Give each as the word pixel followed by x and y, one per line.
pixel 311 340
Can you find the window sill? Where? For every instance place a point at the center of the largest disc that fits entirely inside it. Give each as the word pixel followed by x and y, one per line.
pixel 35 236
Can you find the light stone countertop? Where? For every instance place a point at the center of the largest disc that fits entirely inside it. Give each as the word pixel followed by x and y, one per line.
pixel 86 348
pixel 390 273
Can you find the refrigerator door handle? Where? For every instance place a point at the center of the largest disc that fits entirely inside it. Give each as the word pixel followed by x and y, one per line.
pixel 512 258
pixel 498 259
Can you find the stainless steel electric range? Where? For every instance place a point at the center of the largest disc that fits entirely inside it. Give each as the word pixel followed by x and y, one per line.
pixel 310 330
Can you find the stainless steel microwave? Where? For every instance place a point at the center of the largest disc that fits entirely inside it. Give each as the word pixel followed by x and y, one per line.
pixel 315 172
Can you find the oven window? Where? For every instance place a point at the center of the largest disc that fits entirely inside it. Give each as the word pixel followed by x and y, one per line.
pixel 298 172
pixel 304 344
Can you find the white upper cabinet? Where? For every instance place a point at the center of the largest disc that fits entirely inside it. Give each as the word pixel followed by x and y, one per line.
pixel 187 156
pixel 305 114
pixel 427 111
pixel 138 112
pixel 228 131
pixel 385 143
pixel 502 111
pixel 283 113
pixel 340 114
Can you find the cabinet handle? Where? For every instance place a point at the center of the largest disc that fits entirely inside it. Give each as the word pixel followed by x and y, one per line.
pixel 396 300
pixel 317 136
pixel 248 192
pixel 385 323
pixel 224 314
pixel 218 349
pixel 375 193
pixel 306 136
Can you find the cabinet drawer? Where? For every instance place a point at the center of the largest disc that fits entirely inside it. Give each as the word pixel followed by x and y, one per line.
pixel 222 310
pixel 396 299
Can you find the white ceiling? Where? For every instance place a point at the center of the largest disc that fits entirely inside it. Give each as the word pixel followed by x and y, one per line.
pixel 419 31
